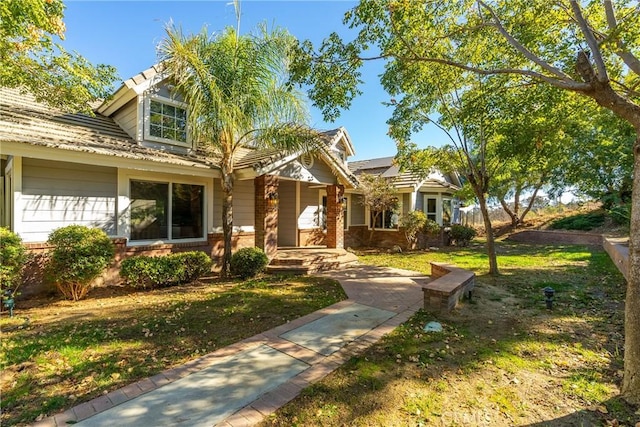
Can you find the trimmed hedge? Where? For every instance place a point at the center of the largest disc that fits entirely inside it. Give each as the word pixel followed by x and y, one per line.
pixel 79 255
pixel 163 271
pixel 461 235
pixel 13 256
pixel 248 262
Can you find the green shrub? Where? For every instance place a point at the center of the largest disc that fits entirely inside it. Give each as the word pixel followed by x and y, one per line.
pixel 461 235
pixel 163 271
pixel 248 262
pixel 583 222
pixel 621 214
pixel 412 222
pixel 13 256
pixel 79 255
pixel 431 227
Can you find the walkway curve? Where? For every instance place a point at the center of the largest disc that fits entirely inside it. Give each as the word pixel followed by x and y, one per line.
pixel 243 383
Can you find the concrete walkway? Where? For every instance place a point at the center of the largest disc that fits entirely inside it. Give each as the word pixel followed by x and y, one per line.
pixel 241 384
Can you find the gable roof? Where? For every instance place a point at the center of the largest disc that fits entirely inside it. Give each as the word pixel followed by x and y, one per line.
pixel 24 120
pixel 266 161
pixel 385 167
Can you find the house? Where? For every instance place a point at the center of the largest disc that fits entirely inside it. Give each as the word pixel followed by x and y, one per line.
pixel 433 194
pixel 133 170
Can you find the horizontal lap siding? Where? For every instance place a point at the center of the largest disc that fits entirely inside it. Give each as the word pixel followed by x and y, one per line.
pixel 357 210
pixel 287 213
pixel 243 203
pixel 309 200
pixel 56 194
pixel 127 118
pixel 322 172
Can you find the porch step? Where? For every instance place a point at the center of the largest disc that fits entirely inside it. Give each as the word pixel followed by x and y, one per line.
pixel 310 260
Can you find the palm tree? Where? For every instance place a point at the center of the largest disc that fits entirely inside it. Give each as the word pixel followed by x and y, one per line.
pixel 236 87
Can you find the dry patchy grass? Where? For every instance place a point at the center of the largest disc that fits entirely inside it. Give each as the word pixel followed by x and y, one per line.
pixel 503 359
pixel 57 353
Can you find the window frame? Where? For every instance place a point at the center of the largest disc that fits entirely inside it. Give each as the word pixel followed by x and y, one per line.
pixel 383 228
pixel 170 214
pixel 147 120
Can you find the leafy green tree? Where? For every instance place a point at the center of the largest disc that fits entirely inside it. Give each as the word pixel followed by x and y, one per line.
pixel 238 94
pixel 587 47
pixel 461 104
pixel 379 196
pixel 30 58
pixel 600 164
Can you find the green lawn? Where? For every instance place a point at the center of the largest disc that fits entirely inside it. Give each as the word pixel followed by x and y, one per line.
pixel 58 353
pixel 503 359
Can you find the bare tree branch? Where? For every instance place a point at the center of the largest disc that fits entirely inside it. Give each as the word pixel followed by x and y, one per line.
pixel 602 74
pixel 627 57
pixel 522 49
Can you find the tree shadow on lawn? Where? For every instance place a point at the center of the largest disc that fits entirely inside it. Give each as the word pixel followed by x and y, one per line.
pixel 61 360
pixel 503 359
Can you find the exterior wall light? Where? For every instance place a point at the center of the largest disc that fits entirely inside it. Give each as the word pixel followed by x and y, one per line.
pixel 272 200
pixel 549 292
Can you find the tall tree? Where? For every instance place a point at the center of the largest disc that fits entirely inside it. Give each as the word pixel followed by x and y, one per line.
pixel 587 47
pixel 379 196
pixel 236 87
pixel 461 106
pixel 32 60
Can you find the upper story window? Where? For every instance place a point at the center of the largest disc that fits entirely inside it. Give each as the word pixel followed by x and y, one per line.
pixel 166 121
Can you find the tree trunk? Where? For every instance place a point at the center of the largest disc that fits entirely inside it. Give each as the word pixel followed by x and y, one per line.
pixel 531 202
pixel 507 209
pixel 631 381
pixel 227 217
pixel 491 245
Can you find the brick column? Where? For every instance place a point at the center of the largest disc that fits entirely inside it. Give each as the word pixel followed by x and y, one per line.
pixel 266 213
pixel 335 217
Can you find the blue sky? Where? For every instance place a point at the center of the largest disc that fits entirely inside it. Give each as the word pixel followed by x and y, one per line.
pixel 125 33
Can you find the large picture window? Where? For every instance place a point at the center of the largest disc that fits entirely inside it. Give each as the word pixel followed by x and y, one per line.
pixel 166 121
pixel 387 220
pixel 166 211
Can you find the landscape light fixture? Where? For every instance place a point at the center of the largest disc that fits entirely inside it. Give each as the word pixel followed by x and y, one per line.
pixel 549 292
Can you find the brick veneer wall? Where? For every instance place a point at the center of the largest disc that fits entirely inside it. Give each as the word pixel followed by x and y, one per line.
pixel 359 236
pixel 34 282
pixel 266 214
pixel 335 217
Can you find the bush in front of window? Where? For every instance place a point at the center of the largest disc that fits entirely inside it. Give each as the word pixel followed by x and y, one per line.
pixel 79 255
pixel 148 272
pixel 461 235
pixel 412 222
pixel 248 262
pixel 431 227
pixel 13 256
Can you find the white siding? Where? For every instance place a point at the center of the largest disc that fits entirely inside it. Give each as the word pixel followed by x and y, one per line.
pixel 56 194
pixel 127 118
pixel 357 210
pixel 309 207
pixel 319 173
pixel 243 204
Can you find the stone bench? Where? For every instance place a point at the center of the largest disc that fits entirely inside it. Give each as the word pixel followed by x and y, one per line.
pixel 447 285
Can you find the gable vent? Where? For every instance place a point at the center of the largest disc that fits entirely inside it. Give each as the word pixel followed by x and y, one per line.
pixel 307 160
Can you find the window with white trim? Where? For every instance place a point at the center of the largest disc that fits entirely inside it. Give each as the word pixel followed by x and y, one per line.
pixel 431 208
pixel 387 220
pixel 161 210
pixel 165 121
